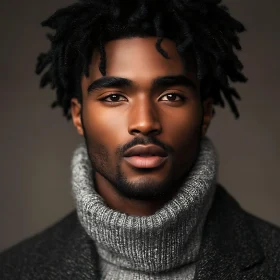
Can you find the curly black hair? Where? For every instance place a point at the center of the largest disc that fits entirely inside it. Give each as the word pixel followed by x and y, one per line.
pixel 204 27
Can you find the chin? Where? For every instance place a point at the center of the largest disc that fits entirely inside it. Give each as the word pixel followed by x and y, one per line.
pixel 145 188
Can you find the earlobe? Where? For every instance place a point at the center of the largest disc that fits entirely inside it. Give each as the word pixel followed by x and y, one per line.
pixel 207 114
pixel 76 112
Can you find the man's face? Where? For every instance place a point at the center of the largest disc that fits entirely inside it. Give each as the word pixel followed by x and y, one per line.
pixel 151 102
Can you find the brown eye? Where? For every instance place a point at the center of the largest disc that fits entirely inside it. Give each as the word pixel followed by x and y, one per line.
pixel 172 97
pixel 114 98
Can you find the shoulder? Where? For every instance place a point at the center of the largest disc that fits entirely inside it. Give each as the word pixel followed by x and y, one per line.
pixel 268 236
pixel 248 231
pixel 25 257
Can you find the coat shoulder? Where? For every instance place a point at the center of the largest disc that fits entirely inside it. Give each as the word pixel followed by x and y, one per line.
pixel 250 233
pixel 35 251
pixel 268 236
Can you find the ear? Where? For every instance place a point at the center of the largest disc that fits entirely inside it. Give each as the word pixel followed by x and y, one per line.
pixel 208 114
pixel 76 112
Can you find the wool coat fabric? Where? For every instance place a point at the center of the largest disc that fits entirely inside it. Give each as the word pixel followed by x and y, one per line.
pixel 235 246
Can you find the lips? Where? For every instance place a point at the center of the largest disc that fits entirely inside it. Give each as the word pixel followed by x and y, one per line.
pixel 142 151
pixel 150 156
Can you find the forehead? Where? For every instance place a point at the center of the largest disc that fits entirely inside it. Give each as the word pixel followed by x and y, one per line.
pixel 138 58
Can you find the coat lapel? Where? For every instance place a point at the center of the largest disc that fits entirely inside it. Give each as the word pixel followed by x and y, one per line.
pixel 75 257
pixel 229 248
pixel 80 261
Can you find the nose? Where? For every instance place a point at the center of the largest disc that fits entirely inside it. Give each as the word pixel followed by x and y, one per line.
pixel 143 119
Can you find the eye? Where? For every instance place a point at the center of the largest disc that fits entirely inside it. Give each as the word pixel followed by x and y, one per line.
pixel 114 98
pixel 172 97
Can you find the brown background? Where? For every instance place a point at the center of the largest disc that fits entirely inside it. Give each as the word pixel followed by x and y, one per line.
pixel 37 143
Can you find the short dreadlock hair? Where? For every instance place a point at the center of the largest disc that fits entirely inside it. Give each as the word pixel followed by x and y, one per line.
pixel 204 27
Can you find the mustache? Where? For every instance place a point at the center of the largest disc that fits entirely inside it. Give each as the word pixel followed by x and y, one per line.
pixel 144 141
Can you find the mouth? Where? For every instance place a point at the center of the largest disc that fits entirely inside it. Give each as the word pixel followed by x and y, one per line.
pixel 150 156
pixel 145 161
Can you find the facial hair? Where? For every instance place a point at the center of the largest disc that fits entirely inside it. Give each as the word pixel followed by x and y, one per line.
pixel 143 189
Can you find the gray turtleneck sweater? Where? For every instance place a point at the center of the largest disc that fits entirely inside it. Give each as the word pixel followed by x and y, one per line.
pixel 164 245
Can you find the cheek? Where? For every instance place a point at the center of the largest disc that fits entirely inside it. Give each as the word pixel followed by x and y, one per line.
pixel 185 129
pixel 104 127
pixel 184 125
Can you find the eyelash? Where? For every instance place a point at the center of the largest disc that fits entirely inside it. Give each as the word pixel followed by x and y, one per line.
pixel 117 94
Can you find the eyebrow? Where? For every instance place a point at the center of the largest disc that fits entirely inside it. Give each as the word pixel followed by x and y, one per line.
pixel 159 82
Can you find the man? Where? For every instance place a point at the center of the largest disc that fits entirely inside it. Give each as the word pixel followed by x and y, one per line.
pixel 139 80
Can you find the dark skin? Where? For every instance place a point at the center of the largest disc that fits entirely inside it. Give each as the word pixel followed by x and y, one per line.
pixel 122 113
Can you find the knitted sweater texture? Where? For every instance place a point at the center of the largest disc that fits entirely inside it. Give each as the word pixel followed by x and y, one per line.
pixel 164 245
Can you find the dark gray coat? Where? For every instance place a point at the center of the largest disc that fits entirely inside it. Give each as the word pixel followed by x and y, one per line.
pixel 235 246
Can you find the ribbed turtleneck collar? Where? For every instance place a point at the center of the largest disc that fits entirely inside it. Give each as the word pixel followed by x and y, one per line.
pixel 164 241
